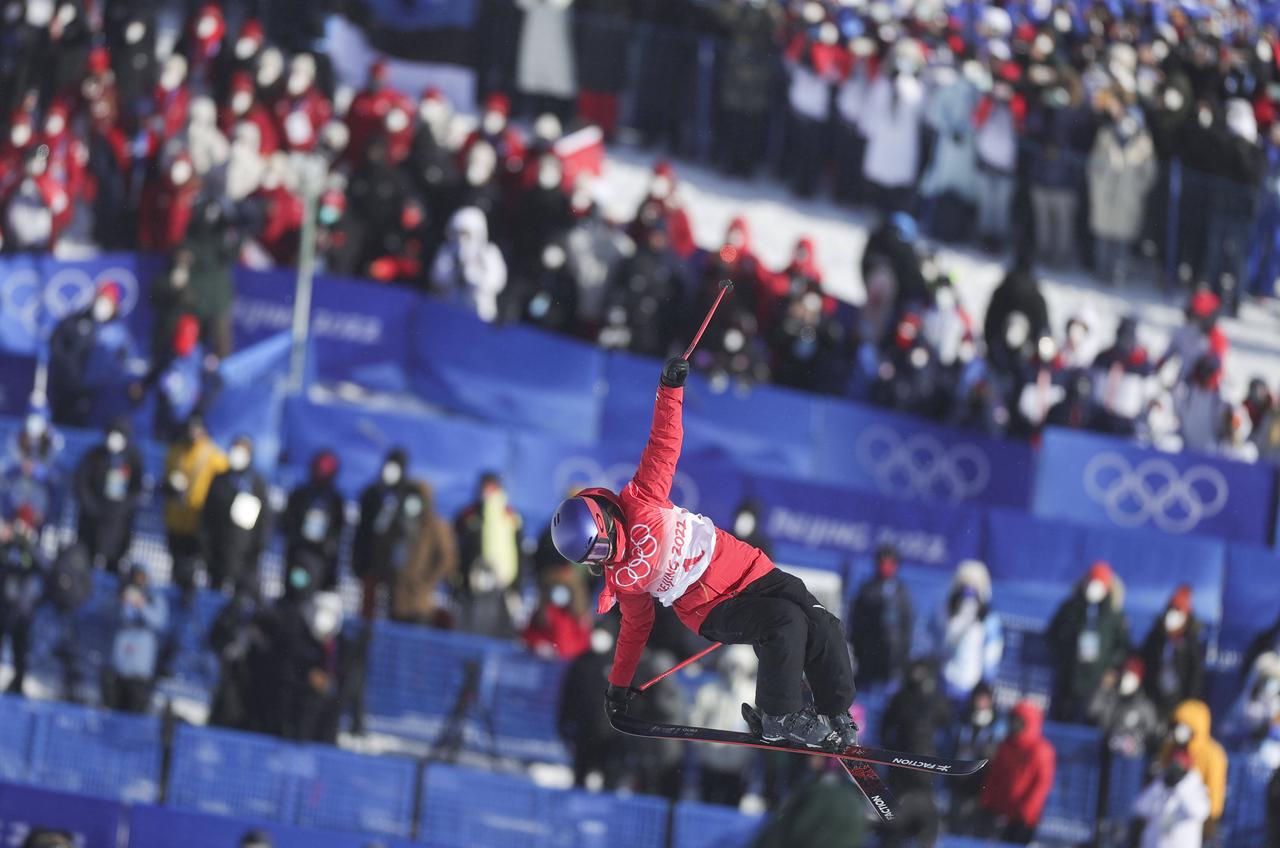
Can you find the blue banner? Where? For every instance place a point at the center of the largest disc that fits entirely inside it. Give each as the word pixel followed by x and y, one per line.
pixel 360 330
pixel 1250 595
pixel 93 822
pixel 250 399
pixel 161 827
pixel 912 459
pixel 511 375
pixel 856 523
pixel 36 291
pixel 1107 482
pixel 17 377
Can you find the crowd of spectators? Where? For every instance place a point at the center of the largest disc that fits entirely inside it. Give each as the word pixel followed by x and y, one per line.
pixel 202 150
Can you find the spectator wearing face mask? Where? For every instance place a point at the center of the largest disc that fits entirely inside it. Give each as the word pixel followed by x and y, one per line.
pixel 339 236
pixel 214 241
pixel 1174 655
pixel 950 180
pixel 140 619
pixel 37 209
pixel 108 488
pixel 302 108
pixel 430 559
pixel 880 619
pixel 1198 336
pixel 236 518
pixel 190 466
pixel 1019 777
pixel 238 636
pixel 391 510
pixel 168 206
pixel 1233 201
pixel 1123 377
pixel 489 541
pixel 1172 810
pixel 812 68
pixel 977 737
pixel 597 750
pixel 23 572
pixel 504 142
pixel 433 159
pixel 1191 724
pixel 315 517
pixel 892 118
pixel 1017 314
pixel 1121 170
pixel 546 75
pixel 1087 636
pixel 469 269
pixel 379 111
pixel 967 635
pixel 311 669
pixel 185 380
pixel 914 719
pixel 998 119
pixel 1125 713
pixel 29 474
pixel 560 625
pixel 725 769
pixel 243 107
pixel 642 304
pixel 92 358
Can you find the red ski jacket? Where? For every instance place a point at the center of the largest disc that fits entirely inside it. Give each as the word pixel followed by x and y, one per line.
pixel 669 553
pixel 1021 773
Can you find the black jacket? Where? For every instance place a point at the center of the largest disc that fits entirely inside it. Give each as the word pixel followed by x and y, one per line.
pixel 1185 657
pixel 384 527
pixel 313 521
pixel 880 622
pixel 235 550
pixel 108 489
pixel 1074 677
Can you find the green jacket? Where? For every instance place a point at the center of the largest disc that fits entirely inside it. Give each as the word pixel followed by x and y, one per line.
pixel 827 812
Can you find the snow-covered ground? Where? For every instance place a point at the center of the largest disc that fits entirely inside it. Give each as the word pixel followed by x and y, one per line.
pixel 777 219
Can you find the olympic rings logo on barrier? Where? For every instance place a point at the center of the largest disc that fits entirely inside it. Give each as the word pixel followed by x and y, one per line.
pixel 1155 490
pixel 920 465
pixel 68 290
pixel 640 566
pixel 585 471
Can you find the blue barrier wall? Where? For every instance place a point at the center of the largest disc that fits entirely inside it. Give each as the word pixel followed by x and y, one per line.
pixel 1104 481
pixel 92 822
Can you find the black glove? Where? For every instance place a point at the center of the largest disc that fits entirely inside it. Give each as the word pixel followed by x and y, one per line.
pixel 675 372
pixel 617 699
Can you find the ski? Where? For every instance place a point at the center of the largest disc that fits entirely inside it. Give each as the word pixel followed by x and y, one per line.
pixel 863 775
pixel 873 788
pixel 875 756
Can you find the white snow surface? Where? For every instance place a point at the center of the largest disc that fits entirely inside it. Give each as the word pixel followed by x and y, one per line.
pixel 777 220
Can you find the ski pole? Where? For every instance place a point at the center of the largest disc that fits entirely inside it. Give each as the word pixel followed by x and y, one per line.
pixel 725 286
pixel 693 659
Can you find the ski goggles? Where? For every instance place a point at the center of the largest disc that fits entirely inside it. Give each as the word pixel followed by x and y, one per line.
pixel 600 549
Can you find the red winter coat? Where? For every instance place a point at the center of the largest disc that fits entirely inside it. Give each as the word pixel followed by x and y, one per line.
pixel 560 630
pixel 367 120
pixel 660 542
pixel 300 119
pixel 1021 773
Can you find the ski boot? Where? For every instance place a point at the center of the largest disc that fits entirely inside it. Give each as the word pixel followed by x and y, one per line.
pixel 801 729
pixel 846 728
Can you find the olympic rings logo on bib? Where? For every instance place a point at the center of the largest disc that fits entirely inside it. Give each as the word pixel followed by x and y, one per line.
pixel 644 546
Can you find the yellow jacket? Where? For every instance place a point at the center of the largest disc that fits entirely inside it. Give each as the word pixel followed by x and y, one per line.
pixel 188 471
pixel 1207 756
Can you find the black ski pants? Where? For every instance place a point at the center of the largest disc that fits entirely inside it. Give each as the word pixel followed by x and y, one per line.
pixel 793 634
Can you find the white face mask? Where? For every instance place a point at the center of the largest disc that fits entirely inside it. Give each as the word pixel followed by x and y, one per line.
pixel 391 473
pixel 1095 591
pixel 661 188
pixel 1017 330
pixel 397 120
pixel 744 525
pixel 1128 683
pixel 432 111
pixel 34 426
pixel 553 257
pixel 134 32
pixel 1174 620
pixel 103 309
pixel 299 81
pixel 325 619
pixel 180 173
pixel 115 441
pixel 494 122
pixel 1181 734
pixel 241 101
pixel 55 124
pixel 238 457
pixel 245 48
pixel 549 175
pixel 984 716
pixel 20 134
pixel 560 595
pixel 172 75
pixel 601 641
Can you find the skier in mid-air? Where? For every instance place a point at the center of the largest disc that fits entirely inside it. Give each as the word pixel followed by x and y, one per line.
pixel 720 587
